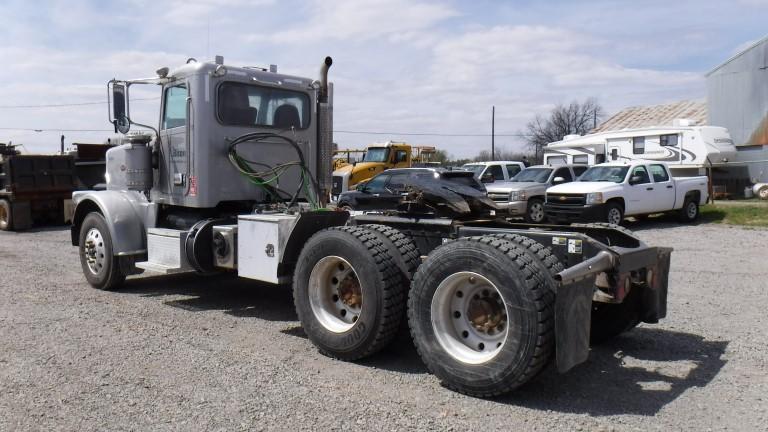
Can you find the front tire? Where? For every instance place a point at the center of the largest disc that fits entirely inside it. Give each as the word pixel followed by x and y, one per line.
pixel 535 211
pixel 762 193
pixel 348 292
pixel 100 266
pixel 6 221
pixel 614 213
pixel 481 313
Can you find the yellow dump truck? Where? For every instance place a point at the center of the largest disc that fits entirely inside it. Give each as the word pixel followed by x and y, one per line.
pixel 379 157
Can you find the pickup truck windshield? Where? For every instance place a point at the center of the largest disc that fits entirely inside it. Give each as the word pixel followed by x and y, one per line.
pixel 533 175
pixel 376 155
pixel 614 174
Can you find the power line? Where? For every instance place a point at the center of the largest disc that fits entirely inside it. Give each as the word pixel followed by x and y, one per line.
pixel 428 134
pixel 56 130
pixel 62 105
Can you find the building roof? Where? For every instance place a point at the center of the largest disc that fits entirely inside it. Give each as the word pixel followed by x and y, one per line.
pixel 655 115
pixel 737 55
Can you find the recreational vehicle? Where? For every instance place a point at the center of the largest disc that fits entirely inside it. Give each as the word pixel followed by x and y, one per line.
pixel 688 150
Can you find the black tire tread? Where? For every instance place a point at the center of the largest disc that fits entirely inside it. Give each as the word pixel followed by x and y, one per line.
pixel 393 296
pixel 409 257
pixel 543 298
pixel 116 277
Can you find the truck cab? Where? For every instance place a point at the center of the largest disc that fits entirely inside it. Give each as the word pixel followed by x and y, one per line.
pixel 523 196
pixel 489 172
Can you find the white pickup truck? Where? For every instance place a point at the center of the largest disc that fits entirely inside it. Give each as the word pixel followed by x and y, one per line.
pixel 610 191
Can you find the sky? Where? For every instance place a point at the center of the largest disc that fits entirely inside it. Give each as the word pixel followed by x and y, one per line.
pixel 422 71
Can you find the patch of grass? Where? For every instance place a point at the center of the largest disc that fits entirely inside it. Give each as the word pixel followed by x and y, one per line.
pixel 746 215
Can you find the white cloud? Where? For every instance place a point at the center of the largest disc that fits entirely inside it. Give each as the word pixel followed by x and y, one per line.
pixel 362 20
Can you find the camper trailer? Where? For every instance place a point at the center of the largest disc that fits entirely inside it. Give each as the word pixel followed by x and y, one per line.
pixel 688 150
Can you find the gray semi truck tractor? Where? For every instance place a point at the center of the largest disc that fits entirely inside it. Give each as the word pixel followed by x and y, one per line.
pixel 234 177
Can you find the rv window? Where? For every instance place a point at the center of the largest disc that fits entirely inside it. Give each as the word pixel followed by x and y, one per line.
pixel 659 173
pixel 638 145
pixel 557 160
pixel 614 154
pixel 581 159
pixel 668 140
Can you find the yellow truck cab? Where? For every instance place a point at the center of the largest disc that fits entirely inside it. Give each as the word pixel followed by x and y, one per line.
pixel 378 157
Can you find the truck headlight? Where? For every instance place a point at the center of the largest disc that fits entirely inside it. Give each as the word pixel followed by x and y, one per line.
pixel 517 196
pixel 595 198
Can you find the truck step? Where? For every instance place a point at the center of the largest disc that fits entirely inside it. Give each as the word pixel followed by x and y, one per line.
pixel 165 251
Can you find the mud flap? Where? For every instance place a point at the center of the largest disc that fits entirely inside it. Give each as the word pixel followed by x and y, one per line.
pixel 573 314
pixel 654 300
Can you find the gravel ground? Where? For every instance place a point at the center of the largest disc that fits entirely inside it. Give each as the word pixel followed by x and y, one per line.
pixel 187 353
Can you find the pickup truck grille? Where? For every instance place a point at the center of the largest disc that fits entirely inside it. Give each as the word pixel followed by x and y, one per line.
pixel 336 187
pixel 499 197
pixel 566 199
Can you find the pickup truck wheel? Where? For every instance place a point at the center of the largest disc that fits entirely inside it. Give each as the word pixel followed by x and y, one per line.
pixel 481 314
pixel 100 266
pixel 610 320
pixel 614 213
pixel 348 292
pixel 763 193
pixel 535 211
pixel 690 211
pixel 6 223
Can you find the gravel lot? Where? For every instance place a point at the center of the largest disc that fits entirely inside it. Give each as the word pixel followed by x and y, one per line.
pixel 188 353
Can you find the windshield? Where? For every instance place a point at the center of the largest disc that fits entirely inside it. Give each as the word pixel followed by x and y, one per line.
pixel 533 175
pixel 380 154
pixel 475 168
pixel 614 174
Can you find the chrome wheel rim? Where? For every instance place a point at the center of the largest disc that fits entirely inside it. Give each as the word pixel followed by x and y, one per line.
pixel 537 212
pixel 469 318
pixel 614 216
pixel 94 251
pixel 335 294
pixel 763 193
pixel 3 214
pixel 691 210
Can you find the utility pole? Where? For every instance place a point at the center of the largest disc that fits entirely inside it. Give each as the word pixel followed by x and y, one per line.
pixel 493 132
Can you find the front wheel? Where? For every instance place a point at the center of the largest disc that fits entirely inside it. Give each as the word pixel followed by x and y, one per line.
pixel 100 265
pixel 614 213
pixel 535 211
pixel 6 224
pixel 763 193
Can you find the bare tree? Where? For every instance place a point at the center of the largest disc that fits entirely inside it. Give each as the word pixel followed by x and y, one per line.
pixel 574 118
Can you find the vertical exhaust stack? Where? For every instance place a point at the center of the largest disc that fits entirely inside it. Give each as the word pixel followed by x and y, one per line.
pixel 324 132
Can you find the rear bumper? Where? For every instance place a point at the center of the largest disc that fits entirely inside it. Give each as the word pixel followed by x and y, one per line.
pixel 568 213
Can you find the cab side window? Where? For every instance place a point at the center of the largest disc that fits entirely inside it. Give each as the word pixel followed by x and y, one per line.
pixel 496 171
pixel 512 170
pixel 659 173
pixel 175 111
pixel 401 156
pixel 376 184
pixel 564 173
pixel 579 170
pixel 397 183
pixel 642 173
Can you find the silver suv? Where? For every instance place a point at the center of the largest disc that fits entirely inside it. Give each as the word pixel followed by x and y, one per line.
pixel 524 195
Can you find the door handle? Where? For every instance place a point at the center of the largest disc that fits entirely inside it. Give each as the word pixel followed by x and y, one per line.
pixel 649 188
pixel 669 187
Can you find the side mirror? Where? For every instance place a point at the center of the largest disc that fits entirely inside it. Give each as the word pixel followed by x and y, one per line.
pixel 120 108
pixel 635 180
pixel 558 180
pixel 487 178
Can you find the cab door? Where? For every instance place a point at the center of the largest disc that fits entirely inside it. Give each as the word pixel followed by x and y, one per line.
pixel 175 166
pixel 664 190
pixel 640 192
pixel 401 158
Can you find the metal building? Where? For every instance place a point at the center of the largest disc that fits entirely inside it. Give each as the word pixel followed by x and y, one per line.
pixel 737 98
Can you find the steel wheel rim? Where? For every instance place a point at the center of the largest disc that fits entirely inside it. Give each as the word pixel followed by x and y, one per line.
pixel 94 251
pixel 3 214
pixel 537 212
pixel 691 210
pixel 614 216
pixel 335 294
pixel 457 300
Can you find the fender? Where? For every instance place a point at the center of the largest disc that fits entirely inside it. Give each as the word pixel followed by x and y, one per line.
pixel 128 215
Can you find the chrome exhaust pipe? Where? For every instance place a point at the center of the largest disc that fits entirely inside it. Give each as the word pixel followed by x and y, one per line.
pixel 324 79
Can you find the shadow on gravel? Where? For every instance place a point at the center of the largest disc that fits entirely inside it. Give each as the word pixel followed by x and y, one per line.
pixel 638 373
pixel 228 293
pixel 663 221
